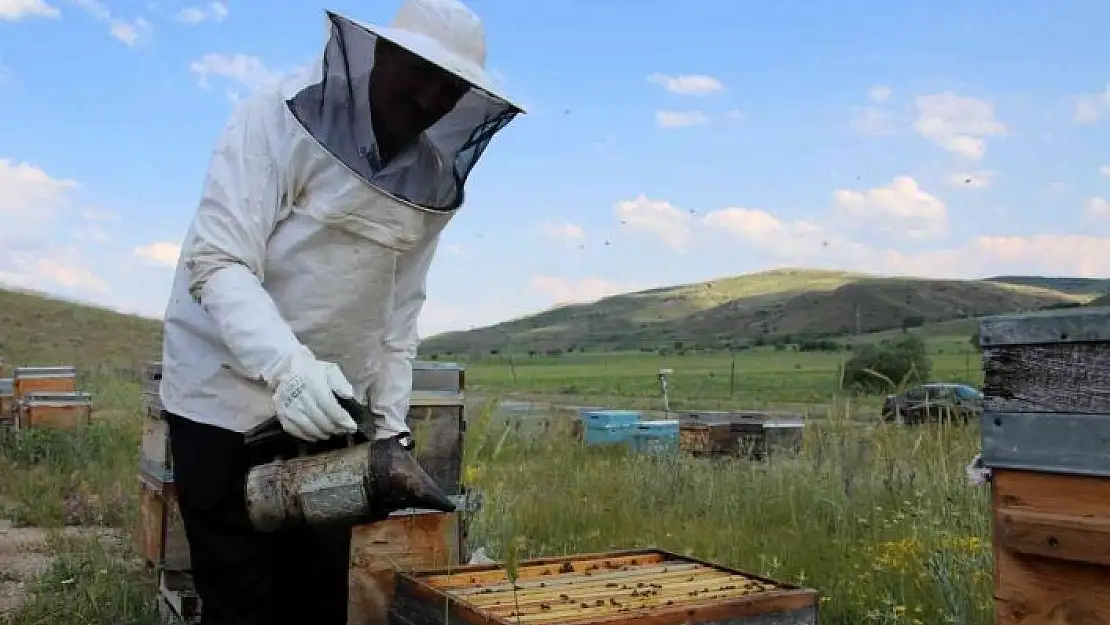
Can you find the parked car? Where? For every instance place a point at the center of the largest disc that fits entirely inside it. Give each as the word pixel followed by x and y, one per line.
pixel 934 402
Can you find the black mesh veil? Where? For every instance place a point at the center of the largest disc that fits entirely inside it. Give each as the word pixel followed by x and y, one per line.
pixel 334 107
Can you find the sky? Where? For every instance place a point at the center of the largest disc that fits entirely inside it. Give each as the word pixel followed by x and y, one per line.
pixel 665 142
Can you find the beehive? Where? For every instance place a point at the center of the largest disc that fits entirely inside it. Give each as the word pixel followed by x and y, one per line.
pixel 645 586
pixel 752 435
pixel 609 427
pixel 1044 429
pixel 415 539
pixel 7 402
pixel 57 410
pixel 161 539
pixel 152 399
pixel 654 437
pixel 61 379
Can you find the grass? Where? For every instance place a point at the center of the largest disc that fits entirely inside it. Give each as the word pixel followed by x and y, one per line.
pixel 880 519
pixel 802 381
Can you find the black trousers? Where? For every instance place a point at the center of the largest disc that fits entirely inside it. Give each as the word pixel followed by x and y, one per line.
pixel 246 577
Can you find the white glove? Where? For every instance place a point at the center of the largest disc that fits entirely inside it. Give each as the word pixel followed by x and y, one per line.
pixel 303 398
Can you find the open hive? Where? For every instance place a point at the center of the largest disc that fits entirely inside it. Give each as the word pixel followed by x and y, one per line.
pixel 634 586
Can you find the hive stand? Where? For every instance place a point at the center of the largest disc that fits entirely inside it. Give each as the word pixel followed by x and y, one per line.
pixel 1046 441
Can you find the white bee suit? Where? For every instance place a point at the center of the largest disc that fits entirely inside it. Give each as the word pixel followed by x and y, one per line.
pixel 302 241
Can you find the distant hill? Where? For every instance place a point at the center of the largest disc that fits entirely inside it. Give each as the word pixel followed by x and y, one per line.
pixel 762 306
pixel 39 330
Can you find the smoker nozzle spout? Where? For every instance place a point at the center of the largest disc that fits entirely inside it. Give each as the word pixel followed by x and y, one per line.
pixel 397 480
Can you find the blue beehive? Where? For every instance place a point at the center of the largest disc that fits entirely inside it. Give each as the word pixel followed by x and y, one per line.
pixel 654 437
pixel 608 427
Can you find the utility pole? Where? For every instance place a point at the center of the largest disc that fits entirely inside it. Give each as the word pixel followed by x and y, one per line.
pixel 858 324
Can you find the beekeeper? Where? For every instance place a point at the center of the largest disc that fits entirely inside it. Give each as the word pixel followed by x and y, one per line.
pixel 303 274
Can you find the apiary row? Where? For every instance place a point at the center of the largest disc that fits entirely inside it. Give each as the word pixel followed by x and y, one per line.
pixel 754 435
pixel 43 397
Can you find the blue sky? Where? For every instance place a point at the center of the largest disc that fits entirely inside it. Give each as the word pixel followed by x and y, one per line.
pixel 665 142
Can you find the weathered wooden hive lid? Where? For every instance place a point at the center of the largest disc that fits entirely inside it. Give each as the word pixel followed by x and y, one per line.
pixel 1066 325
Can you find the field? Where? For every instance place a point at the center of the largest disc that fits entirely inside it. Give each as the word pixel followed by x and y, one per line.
pixel 757 378
pixel 880 519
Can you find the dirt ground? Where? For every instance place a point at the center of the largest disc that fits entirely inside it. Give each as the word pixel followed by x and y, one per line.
pixel 24 555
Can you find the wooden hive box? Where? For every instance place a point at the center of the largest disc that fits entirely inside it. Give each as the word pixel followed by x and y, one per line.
pixel 644 586
pixel 160 539
pixel 720 434
pixel 1045 430
pixel 7 402
pixel 416 539
pixel 151 383
pixel 56 410
pixel 61 379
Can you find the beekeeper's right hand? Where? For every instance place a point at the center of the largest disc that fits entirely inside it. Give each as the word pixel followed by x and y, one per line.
pixel 303 398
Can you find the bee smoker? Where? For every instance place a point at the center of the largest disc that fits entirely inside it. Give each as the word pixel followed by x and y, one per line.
pixel 360 482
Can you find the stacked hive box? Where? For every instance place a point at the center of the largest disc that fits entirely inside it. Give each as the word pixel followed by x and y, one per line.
pixel 7 403
pixel 48 397
pixel 647 586
pixel 1045 427
pixel 608 427
pixel 744 434
pixel 410 539
pixel 659 437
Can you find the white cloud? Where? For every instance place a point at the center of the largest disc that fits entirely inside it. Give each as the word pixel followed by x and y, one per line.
pixel 958 124
pixel 1097 207
pixel 680 119
pixel 127 31
pixel 564 291
pixel 872 120
pixel 879 93
pixel 240 69
pixel 1104 171
pixel 657 218
pixel 159 252
pixel 748 223
pixel 29 195
pixel 563 230
pixel 979 179
pixel 211 12
pixel 688 84
pixel 1090 108
pixel 16 10
pixel 902 206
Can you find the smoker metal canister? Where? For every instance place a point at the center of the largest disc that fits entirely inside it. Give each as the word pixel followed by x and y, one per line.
pixel 325 488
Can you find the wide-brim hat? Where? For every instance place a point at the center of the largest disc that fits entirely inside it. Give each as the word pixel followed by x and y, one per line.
pixel 447 34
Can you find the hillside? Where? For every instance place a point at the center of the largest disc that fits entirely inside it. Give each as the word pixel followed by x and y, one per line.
pixel 35 329
pixel 748 308
pixel 38 330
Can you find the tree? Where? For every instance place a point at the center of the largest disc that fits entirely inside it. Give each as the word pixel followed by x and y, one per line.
pixel 875 368
pixel 975 341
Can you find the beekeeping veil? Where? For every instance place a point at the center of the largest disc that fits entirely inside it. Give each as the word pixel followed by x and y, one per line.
pixel 334 107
